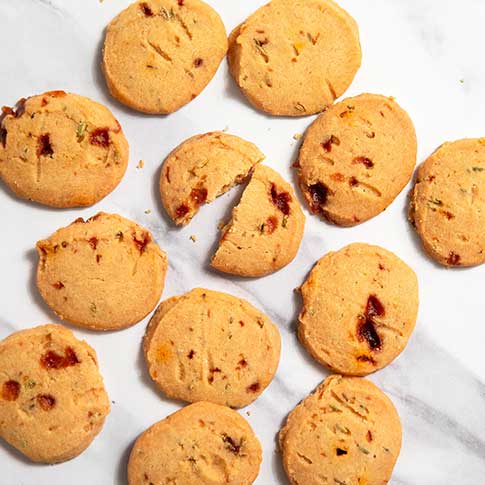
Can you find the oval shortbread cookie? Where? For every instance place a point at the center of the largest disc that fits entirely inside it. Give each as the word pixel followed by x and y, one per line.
pixel 360 307
pixel 211 346
pixel 356 158
pixel 61 150
pixel 347 432
pixel 295 57
pixel 160 54
pixel 203 168
pixel 105 273
pixel 52 398
pixel 202 444
pixel 447 203
pixel 266 228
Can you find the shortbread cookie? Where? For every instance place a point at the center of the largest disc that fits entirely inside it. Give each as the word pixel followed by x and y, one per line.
pixel 448 203
pixel 266 228
pixel 160 54
pixel 347 432
pixel 62 150
pixel 203 168
pixel 295 57
pixel 106 273
pixel 360 306
pixel 356 158
pixel 211 346
pixel 203 444
pixel 52 397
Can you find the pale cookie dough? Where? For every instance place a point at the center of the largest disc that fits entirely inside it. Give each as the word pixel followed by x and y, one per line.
pixel 448 203
pixel 295 57
pixel 266 228
pixel 203 444
pixel 203 168
pixel 160 54
pixel 61 150
pixel 356 158
pixel 105 273
pixel 211 346
pixel 52 397
pixel 347 432
pixel 360 307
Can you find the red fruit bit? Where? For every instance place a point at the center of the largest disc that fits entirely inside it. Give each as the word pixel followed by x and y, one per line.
pixel 271 224
pixel 367 162
pixel 52 360
pixel 318 195
pixel 145 8
pixel 198 62
pixel 93 242
pixel 374 308
pixel 231 445
pixel 242 363
pixel 3 136
pixel 142 243
pixel 281 200
pixel 369 436
pixel 353 182
pixel 212 372
pixel 46 402
pixel 44 147
pixel 182 210
pixel 10 390
pixel 98 258
pixel 55 94
pixel 331 140
pixel 454 259
pixel 100 137
pixel 8 111
pixel 254 387
pixel 199 195
pixel 59 285
pixel 338 177
pixel 181 3
pixel 366 358
pixel 191 354
pixel 44 102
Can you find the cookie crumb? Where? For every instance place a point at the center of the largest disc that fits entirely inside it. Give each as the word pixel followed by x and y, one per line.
pixel 193 238
pixel 297 136
pixel 148 211
pixel 226 129
pixel 141 164
pixel 248 413
pixel 462 81
pixel 221 225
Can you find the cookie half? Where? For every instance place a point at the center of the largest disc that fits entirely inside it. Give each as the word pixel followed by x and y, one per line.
pixel 160 54
pixel 447 204
pixel 61 150
pixel 356 158
pixel 52 397
pixel 105 273
pixel 266 228
pixel 203 443
pixel 203 168
pixel 211 346
pixel 360 307
pixel 347 432
pixel 295 57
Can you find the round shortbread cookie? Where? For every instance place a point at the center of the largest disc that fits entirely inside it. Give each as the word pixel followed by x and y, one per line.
pixel 203 168
pixel 360 307
pixel 61 150
pixel 211 346
pixel 52 397
pixel 295 57
pixel 266 228
pixel 356 158
pixel 347 432
pixel 160 54
pixel 105 273
pixel 447 204
pixel 204 444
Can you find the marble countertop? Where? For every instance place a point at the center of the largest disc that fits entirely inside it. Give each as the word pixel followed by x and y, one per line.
pixel 426 53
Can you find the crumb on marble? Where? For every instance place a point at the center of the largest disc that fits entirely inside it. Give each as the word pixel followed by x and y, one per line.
pixel 226 129
pixel 141 164
pixel 297 136
pixel 148 211
pixel 193 238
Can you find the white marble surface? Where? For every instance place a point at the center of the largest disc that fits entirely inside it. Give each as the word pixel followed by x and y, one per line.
pixel 429 55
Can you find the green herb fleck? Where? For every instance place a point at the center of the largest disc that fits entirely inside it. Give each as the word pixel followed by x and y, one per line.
pixel 30 384
pixel 93 308
pixel 335 409
pixel 434 200
pixel 119 236
pixel 81 131
pixel 339 482
pixel 477 169
pixel 363 450
pixel 300 107
pixel 284 222
pixel 342 429
pixel 167 14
